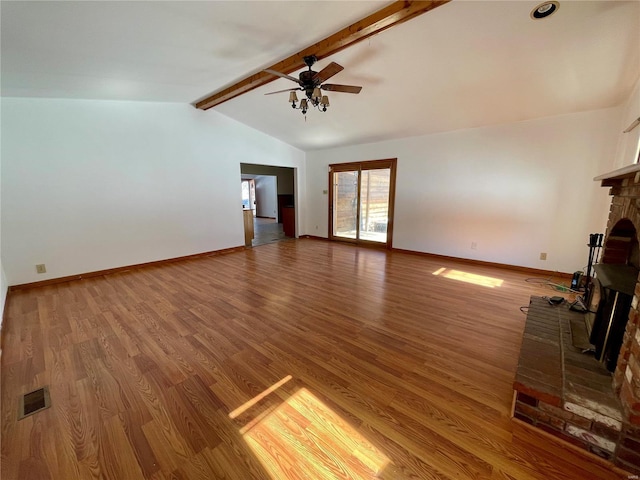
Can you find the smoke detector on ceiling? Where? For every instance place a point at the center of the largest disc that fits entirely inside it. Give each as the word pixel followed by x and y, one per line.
pixel 544 10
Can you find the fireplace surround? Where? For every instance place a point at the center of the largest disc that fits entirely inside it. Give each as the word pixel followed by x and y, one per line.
pixel 621 246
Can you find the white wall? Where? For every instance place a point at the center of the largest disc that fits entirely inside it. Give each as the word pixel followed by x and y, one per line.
pixel 266 196
pixel 627 150
pixel 516 190
pixel 90 185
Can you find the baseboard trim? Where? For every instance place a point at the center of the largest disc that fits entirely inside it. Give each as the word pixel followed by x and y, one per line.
pixel 109 271
pixel 470 261
pixel 363 244
pixel 313 237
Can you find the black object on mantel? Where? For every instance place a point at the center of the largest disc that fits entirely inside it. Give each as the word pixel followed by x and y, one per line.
pixel 617 284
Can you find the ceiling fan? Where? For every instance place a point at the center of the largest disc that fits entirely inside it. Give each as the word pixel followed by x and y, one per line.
pixel 311 83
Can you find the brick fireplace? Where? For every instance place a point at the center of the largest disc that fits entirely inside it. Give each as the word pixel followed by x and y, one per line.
pixel 569 394
pixel 621 246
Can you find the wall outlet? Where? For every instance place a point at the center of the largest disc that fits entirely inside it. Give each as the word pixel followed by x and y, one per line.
pixel 325 192
pixel 474 246
pixel 316 227
pixel 543 256
pixel 40 268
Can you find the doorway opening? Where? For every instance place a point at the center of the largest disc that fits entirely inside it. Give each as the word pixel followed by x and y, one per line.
pixel 273 203
pixel 361 202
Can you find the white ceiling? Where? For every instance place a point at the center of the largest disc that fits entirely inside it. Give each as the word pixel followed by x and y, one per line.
pixel 465 64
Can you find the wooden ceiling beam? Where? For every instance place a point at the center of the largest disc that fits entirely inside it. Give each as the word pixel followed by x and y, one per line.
pixel 394 14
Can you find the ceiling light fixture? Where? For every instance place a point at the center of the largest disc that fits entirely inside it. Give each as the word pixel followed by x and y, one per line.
pixel 544 10
pixel 316 99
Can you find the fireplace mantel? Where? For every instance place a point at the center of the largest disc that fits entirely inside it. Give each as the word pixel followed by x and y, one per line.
pixel 617 176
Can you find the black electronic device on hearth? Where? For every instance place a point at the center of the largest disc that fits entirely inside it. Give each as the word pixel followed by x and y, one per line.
pixel 575 280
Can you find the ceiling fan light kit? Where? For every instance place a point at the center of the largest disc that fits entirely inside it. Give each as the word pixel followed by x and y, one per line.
pixel 311 83
pixel 321 102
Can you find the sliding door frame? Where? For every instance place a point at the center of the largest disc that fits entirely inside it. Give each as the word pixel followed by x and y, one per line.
pixel 391 164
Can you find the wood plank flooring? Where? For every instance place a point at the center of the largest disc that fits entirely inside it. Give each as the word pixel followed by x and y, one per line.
pixel 294 360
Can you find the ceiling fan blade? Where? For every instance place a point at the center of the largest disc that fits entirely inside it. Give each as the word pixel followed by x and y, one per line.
pixel 327 72
pixel 280 91
pixel 278 74
pixel 332 87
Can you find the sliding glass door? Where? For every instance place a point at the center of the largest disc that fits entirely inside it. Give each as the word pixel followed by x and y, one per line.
pixel 345 204
pixel 361 201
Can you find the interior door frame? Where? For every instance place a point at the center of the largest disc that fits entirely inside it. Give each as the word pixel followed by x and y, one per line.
pixel 391 164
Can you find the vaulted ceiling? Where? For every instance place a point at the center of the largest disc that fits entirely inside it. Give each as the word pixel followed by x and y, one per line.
pixel 462 65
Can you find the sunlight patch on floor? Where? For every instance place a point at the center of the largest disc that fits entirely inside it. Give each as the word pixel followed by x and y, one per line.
pixel 469 277
pixel 303 438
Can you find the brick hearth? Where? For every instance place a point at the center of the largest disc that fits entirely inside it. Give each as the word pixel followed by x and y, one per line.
pixel 567 393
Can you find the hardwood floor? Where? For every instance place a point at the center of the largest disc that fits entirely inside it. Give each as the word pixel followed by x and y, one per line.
pixel 294 360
